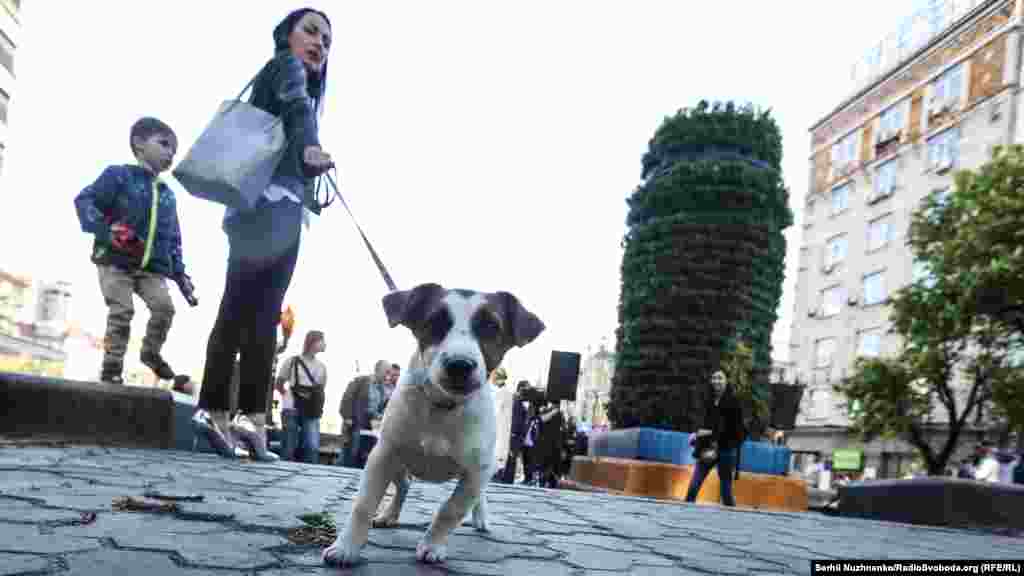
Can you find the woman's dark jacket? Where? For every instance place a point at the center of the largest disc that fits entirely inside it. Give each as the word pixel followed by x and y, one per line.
pixel 281 89
pixel 355 403
pixel 726 421
pixel 520 419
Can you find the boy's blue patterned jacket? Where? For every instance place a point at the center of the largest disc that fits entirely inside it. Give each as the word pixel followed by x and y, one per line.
pixel 123 193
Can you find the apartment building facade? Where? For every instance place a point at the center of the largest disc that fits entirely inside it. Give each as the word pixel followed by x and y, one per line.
pixel 10 27
pixel 932 98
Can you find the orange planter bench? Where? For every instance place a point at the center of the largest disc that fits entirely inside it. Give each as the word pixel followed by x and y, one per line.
pixel 670 481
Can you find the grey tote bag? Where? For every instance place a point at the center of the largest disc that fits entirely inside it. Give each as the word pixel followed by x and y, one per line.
pixel 233 160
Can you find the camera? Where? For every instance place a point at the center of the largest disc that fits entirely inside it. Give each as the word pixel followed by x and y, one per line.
pixel 534 396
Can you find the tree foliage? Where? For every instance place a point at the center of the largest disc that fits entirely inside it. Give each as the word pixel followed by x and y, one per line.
pixel 960 332
pixel 702 265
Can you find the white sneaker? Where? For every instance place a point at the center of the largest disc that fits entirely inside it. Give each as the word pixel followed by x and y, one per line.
pixel 255 437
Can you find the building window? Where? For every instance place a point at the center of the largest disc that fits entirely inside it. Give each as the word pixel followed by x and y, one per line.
pixel 874 59
pixel 879 233
pixel 919 272
pixel 944 150
pixel 870 343
pixel 835 252
pixel 844 153
pixel 840 198
pixel 832 300
pixel 824 350
pixel 890 123
pixel 936 15
pixel 947 91
pixel 874 288
pixel 6 53
pixel 885 181
pixel 903 38
pixel 821 403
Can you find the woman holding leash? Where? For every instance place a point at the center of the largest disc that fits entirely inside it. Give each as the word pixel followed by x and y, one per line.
pixel 717 443
pixel 264 241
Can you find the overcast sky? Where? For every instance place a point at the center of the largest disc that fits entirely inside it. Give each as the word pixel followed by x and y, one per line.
pixel 482 145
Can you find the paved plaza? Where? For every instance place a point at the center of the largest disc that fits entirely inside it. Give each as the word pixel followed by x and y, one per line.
pixel 64 510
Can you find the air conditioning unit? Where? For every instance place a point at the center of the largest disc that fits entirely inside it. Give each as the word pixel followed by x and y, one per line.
pixel 828 268
pixel 942 164
pixel 852 301
pixel 812 312
pixel 886 135
pixel 938 106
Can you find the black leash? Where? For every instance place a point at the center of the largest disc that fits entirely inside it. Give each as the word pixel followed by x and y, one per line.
pixel 330 199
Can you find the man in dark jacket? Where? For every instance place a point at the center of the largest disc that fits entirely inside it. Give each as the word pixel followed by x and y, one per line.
pixel 718 442
pixel 520 416
pixel 360 405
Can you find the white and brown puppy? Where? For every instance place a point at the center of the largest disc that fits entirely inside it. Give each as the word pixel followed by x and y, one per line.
pixel 440 423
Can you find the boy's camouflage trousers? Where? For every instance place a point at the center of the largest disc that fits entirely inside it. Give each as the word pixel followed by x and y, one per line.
pixel 118 285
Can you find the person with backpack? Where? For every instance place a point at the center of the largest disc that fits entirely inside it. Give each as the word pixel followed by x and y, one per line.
pixel 717 443
pixel 303 398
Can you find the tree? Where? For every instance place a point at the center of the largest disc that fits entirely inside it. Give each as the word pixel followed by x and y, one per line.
pixel 738 365
pixel 702 265
pixel 959 350
pixel 500 377
pixel 974 240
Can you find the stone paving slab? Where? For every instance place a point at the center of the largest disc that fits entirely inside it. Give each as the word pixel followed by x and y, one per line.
pixel 57 516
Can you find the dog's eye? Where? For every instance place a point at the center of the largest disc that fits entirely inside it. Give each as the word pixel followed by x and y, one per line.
pixel 486 327
pixel 439 324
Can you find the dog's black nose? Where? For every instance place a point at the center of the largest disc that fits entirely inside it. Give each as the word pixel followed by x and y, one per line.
pixel 460 372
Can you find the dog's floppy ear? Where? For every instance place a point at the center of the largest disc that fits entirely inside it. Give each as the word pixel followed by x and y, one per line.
pixel 521 325
pixel 409 307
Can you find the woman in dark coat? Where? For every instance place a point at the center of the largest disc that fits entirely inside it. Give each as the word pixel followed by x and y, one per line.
pixel 718 442
pixel 264 241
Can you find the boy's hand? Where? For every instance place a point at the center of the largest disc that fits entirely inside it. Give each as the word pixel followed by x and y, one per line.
pixel 123 238
pixel 187 289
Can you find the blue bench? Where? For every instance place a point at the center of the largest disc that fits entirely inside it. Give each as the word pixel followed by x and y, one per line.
pixel 654 445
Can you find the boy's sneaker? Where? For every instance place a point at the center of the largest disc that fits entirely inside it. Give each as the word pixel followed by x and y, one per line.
pixel 112 379
pixel 157 364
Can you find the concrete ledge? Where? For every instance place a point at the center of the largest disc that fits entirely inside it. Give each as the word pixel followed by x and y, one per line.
pixel 952 502
pixel 670 481
pixel 122 415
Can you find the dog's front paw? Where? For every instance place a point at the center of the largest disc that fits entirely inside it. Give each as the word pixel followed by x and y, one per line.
pixel 385 521
pixel 341 553
pixel 431 553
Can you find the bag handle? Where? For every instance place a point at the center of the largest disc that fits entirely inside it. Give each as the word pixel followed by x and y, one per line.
pixel 306 370
pixel 247 86
pixel 238 99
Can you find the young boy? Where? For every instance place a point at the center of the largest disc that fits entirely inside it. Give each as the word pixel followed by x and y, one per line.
pixel 134 219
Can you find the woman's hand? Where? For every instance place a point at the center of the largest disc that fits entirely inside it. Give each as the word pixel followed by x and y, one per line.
pixel 315 157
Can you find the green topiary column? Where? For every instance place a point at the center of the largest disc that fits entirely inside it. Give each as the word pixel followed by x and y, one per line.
pixel 703 264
